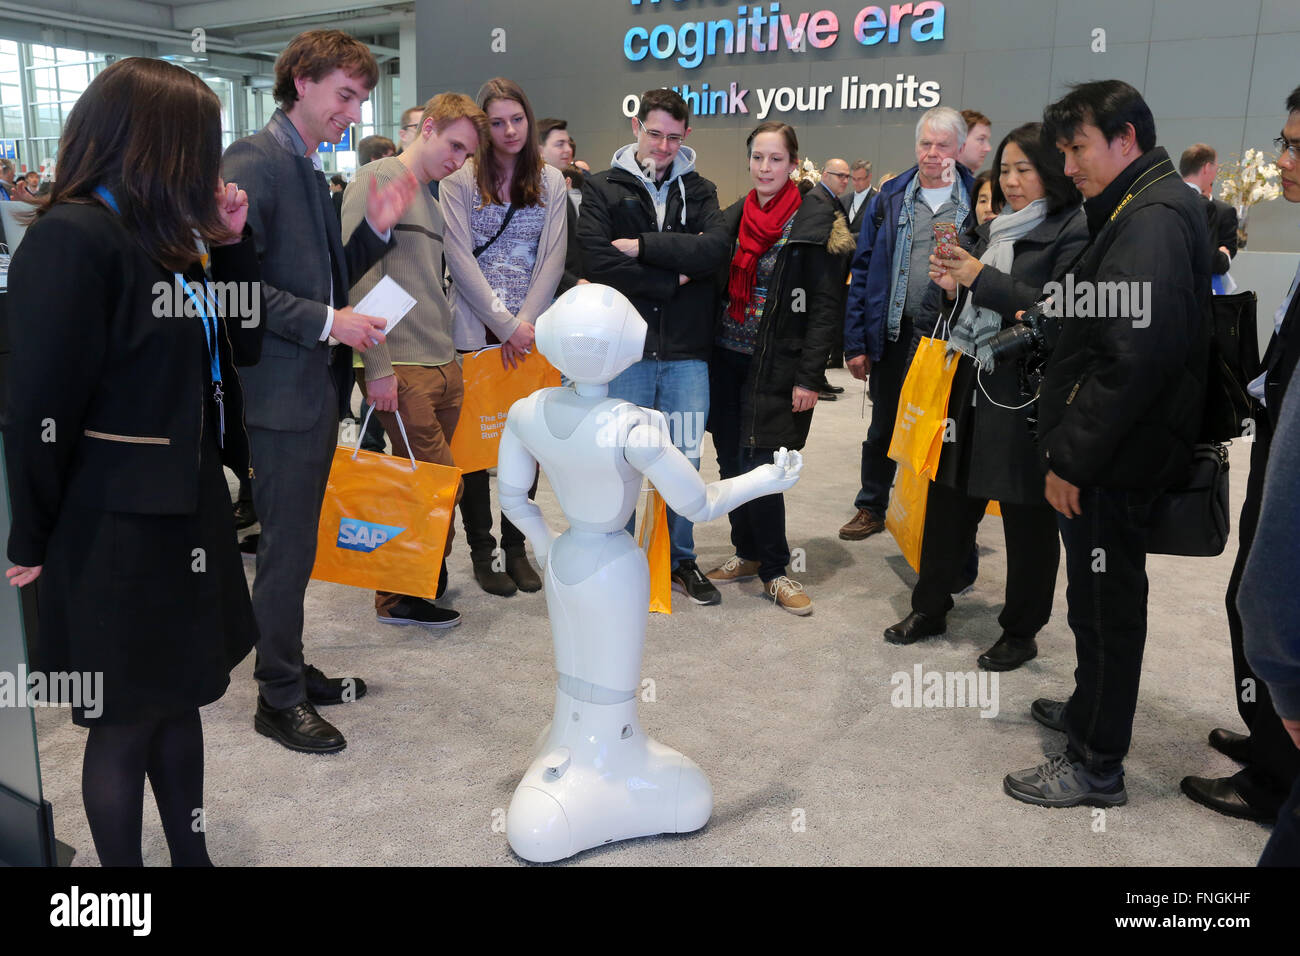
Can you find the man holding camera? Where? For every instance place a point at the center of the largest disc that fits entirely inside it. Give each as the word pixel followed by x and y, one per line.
pixel 1119 412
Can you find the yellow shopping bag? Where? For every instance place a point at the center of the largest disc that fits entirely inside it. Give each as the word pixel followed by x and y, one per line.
pixel 490 390
pixel 652 536
pixel 923 408
pixel 384 521
pixel 905 516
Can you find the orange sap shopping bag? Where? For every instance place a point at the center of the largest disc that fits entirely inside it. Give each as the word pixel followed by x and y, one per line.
pixel 490 390
pixel 923 408
pixel 653 538
pixel 905 516
pixel 384 521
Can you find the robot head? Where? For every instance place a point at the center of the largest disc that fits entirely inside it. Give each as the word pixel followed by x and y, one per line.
pixel 591 334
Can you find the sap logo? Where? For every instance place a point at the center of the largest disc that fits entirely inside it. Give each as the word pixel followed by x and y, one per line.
pixel 365 536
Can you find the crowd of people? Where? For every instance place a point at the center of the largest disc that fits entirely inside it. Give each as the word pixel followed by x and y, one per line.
pixel 482 214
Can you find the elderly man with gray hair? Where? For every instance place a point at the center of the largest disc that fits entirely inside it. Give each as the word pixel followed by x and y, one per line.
pixel 890 275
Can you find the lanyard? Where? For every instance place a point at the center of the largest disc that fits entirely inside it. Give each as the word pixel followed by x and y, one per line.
pixel 209 327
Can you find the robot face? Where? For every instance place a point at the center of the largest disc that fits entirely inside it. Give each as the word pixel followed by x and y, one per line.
pixel 591 334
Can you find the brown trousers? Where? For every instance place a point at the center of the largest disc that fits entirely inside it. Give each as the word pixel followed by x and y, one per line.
pixel 429 400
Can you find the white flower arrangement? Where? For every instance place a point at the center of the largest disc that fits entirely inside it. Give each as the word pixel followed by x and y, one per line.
pixel 806 172
pixel 1250 180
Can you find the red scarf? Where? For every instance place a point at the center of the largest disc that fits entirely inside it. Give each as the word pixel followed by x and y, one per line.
pixel 760 228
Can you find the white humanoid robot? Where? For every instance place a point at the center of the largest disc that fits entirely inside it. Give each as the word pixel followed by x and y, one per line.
pixel 598 777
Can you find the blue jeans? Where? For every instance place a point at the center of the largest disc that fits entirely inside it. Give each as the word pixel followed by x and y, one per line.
pixel 680 390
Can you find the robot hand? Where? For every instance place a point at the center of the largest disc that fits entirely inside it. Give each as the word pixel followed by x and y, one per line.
pixel 781 474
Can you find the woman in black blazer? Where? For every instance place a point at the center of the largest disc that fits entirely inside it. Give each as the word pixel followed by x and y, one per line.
pixel 124 405
pixel 1039 232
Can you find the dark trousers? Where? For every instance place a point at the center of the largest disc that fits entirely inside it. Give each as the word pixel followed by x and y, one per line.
pixel 883 385
pixel 476 516
pixel 1283 847
pixel 1274 764
pixel 1033 555
pixel 757 527
pixel 1105 561
pixel 291 470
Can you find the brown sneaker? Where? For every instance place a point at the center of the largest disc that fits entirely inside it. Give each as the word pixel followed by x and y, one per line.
pixel 863 525
pixel 735 568
pixel 790 595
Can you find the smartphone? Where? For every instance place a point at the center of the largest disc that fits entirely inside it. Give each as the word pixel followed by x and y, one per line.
pixel 945 239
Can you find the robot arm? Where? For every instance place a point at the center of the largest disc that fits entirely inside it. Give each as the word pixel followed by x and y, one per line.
pixel 516 469
pixel 650 450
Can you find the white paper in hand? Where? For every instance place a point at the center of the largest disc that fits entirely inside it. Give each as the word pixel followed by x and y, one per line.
pixel 387 301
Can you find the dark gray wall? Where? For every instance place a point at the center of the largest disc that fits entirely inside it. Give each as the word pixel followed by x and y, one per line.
pixel 1212 71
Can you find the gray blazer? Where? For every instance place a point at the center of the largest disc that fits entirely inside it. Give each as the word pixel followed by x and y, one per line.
pixel 296 232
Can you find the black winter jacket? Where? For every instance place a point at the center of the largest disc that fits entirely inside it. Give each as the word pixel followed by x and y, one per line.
pixel 1123 397
pixel 679 318
pixel 799 324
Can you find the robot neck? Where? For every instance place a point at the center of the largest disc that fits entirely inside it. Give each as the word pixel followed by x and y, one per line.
pixel 592 391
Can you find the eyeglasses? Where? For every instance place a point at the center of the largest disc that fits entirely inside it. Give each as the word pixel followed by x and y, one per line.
pixel 1282 145
pixel 672 139
pixel 411 126
pixel 837 175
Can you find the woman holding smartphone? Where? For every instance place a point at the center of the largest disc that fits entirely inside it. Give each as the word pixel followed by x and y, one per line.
pixel 1037 235
pixel 505 246
pixel 124 406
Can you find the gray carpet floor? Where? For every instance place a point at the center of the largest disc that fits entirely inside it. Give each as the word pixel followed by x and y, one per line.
pixel 790 717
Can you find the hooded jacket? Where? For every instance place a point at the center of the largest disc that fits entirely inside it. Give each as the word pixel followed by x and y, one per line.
pixel 798 328
pixel 1123 397
pixel 679 230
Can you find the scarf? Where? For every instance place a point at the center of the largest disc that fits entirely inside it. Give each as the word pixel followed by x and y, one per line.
pixel 976 325
pixel 760 228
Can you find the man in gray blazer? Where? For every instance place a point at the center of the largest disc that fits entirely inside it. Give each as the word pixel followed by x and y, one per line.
pixel 291 401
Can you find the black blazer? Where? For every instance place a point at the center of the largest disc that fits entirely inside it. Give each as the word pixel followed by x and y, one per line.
pixel 1280 360
pixel 108 385
pixel 855 222
pixel 1222 220
pixel 304 260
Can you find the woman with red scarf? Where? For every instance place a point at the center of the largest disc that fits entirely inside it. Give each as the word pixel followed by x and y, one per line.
pixel 781 306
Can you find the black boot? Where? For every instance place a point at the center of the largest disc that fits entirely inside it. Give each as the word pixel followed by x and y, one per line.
pixel 521 571
pixel 490 580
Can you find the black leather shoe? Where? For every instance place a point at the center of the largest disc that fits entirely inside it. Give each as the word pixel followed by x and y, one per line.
pixel 521 572
pixel 493 582
pixel 1231 744
pixel 914 627
pixel 1008 653
pixel 322 690
pixel 826 395
pixel 299 728
pixel 1049 713
pixel 834 389
pixel 1221 795
pixel 245 516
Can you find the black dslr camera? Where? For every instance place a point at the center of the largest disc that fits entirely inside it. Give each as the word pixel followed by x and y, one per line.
pixel 1029 343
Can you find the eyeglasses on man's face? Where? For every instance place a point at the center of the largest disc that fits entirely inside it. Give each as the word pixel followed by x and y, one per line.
pixel 837 175
pixel 411 126
pixel 1282 146
pixel 672 139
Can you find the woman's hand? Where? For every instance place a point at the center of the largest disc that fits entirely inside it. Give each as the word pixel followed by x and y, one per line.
pixel 20 576
pixel 803 399
pixel 232 203
pixel 962 266
pixel 942 277
pixel 516 348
